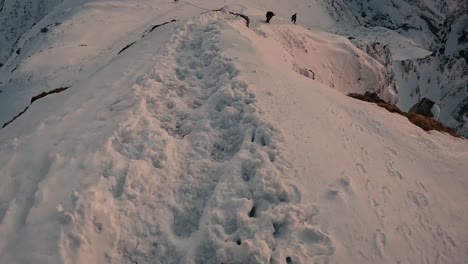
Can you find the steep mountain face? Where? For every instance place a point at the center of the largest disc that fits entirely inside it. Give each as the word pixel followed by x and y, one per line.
pixel 352 71
pixel 440 78
pixel 425 21
pixel 440 27
pixel 381 53
pixel 16 17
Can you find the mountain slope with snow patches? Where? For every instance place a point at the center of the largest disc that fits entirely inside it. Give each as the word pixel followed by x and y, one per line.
pixel 427 41
pixel 201 140
pixel 17 17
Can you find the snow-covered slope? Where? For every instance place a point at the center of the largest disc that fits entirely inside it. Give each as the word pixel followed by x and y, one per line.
pixel 366 170
pixel 209 142
pixel 17 17
pixel 334 61
pixel 427 41
pixel 82 37
pixel 426 22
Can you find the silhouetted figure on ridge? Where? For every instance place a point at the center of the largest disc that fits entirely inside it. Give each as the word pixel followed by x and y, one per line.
pixel 293 18
pixel 269 15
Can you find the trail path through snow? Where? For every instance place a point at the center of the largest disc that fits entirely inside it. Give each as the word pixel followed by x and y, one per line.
pixel 203 143
pixel 196 175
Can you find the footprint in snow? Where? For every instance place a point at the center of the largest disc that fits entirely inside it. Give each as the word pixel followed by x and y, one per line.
pixel 380 241
pixel 360 169
pixel 343 185
pixel 418 199
pixel 317 242
pixel 390 163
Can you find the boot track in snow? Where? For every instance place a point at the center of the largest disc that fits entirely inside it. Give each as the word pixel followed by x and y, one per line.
pixel 197 176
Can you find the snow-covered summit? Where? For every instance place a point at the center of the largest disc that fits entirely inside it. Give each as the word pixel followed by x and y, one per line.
pixel 187 137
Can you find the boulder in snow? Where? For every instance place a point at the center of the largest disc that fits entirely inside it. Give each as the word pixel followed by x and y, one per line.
pixel 426 107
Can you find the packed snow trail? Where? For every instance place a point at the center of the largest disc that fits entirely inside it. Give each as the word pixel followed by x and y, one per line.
pixel 204 142
pixel 196 175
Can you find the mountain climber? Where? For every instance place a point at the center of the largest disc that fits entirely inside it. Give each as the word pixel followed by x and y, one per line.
pixel 269 15
pixel 293 18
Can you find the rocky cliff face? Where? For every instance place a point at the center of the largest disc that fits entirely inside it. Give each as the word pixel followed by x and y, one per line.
pixel 381 53
pixel 425 20
pixel 438 26
pixel 442 78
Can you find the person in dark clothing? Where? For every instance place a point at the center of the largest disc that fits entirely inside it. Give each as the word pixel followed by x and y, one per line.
pixel 269 15
pixel 293 18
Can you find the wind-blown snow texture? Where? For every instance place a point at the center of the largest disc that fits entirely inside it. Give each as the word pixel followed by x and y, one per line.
pixel 209 142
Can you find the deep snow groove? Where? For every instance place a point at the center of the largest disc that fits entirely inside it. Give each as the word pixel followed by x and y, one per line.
pixel 35 98
pixel 126 47
pixel 245 17
pixel 156 26
pixel 15 117
pixel 44 94
pixel 194 172
pixel 151 29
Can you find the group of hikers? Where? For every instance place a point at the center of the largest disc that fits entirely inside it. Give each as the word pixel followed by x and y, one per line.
pixel 270 14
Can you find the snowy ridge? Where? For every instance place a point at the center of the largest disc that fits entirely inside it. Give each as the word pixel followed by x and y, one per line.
pixel 210 142
pixel 334 61
pixel 221 170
